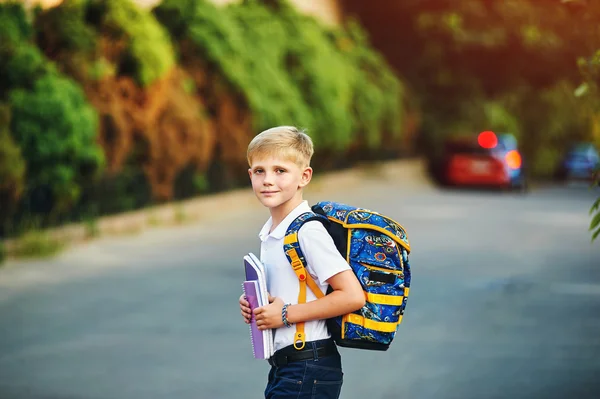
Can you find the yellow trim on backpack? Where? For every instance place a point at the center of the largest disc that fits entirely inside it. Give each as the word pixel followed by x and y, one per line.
pixel 382 299
pixel 372 227
pixel 290 238
pixel 347 245
pixel 382 269
pixel 370 324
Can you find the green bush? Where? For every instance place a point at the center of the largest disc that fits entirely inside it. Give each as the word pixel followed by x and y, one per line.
pixel 291 70
pixel 37 244
pixel 2 252
pixel 64 28
pixel 14 24
pixel 56 130
pixel 595 212
pixel 24 66
pixel 52 128
pixel 148 54
pixel 12 167
pixel 377 93
pixel 550 120
pixel 250 64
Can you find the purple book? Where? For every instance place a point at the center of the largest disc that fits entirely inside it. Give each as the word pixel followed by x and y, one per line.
pixel 256 336
pixel 262 340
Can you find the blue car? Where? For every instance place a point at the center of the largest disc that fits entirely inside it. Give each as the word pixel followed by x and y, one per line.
pixel 579 163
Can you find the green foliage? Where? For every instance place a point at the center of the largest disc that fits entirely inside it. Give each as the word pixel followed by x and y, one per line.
pixel 377 94
pixel 56 129
pixel 595 223
pixel 12 166
pixel 200 183
pixel 14 24
pixel 549 120
pixel 37 244
pixel 589 91
pixel 92 229
pixel 2 253
pixel 148 54
pixel 517 54
pixel 52 127
pixel 18 60
pixel 24 66
pixel 63 28
pixel 100 69
pixel 315 66
pixel 256 70
pixel 291 70
pixel 285 67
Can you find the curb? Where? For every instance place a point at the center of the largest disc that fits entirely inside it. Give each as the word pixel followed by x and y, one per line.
pixel 411 172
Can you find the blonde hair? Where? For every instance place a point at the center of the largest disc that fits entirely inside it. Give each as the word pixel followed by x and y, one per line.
pixel 288 142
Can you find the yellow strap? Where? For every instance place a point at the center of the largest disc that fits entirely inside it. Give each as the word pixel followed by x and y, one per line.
pixel 314 287
pixel 290 238
pixel 300 339
pixel 304 279
pixel 371 324
pixel 384 299
pixel 298 267
pixel 406 291
pixel 297 264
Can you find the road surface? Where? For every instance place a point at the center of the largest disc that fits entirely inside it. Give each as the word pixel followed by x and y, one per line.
pixel 505 303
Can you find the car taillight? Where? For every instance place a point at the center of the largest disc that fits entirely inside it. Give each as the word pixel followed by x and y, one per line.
pixel 513 159
pixel 487 139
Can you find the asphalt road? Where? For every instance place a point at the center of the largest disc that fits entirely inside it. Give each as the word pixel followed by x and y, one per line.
pixel 505 303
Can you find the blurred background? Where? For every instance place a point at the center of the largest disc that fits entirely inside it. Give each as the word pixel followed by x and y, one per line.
pixel 110 106
pixel 474 123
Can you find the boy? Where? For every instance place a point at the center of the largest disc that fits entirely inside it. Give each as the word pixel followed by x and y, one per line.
pixel 279 160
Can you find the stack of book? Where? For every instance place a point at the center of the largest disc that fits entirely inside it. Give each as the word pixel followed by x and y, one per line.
pixel 255 290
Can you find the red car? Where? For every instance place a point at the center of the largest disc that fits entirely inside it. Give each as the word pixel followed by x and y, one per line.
pixel 488 160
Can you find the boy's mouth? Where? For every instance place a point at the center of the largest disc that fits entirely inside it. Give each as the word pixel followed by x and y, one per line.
pixel 268 192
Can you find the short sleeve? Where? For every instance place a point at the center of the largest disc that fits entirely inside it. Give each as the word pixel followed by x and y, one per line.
pixel 322 257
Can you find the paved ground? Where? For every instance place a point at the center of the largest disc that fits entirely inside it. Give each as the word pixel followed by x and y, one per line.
pixel 505 303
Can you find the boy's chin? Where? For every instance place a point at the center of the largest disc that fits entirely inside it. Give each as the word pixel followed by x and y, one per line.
pixel 270 204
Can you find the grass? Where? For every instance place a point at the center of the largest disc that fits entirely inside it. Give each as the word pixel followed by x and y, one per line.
pixel 92 230
pixel 180 216
pixel 2 253
pixel 37 244
pixel 153 220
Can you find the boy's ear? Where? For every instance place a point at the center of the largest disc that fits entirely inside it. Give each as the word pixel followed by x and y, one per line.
pixel 250 173
pixel 306 176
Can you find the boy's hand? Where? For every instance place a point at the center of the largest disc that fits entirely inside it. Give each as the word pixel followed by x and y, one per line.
pixel 269 316
pixel 246 311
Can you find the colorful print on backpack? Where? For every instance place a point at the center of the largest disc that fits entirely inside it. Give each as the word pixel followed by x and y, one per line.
pixel 376 248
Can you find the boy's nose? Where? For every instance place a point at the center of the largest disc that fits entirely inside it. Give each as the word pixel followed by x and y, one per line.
pixel 268 181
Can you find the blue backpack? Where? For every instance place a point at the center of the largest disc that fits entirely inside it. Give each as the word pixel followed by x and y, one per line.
pixel 376 248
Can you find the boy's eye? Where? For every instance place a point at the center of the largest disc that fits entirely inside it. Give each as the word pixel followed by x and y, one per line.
pixel 280 170
pixel 258 171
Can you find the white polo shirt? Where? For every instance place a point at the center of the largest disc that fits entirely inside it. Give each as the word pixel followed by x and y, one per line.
pixel 322 258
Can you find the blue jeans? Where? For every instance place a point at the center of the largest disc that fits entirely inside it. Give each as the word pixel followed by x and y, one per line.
pixel 307 379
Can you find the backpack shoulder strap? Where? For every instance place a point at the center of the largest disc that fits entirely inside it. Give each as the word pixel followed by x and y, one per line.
pixel 294 254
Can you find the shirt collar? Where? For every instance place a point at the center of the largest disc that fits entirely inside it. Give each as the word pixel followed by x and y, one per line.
pixel 280 230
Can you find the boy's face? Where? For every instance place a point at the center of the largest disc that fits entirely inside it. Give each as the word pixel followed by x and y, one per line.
pixel 277 182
